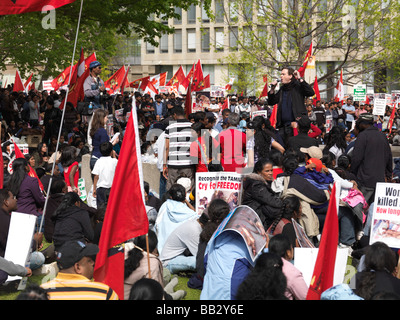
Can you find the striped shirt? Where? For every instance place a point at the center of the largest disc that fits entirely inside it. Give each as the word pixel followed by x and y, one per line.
pixel 68 286
pixel 180 138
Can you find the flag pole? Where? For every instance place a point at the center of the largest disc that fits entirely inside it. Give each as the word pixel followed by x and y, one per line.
pixel 62 117
pixel 148 254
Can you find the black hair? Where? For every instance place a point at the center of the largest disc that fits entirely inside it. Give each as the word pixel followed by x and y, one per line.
pixel 146 289
pixel 3 195
pixel 68 156
pixel 19 173
pixel 217 210
pixel 57 185
pixel 199 116
pixel 262 140
pixel 68 201
pixel 146 187
pixel 33 292
pixel 260 164
pixel 289 206
pixel 177 110
pixel 135 255
pixel 106 148
pixel 279 244
pixel 177 192
pixel 327 159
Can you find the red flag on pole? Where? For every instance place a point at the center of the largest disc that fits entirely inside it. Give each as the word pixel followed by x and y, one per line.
pixel 18 85
pixel 317 96
pixel 18 7
pixel 125 82
pixel 302 69
pixel 324 268
pixel 177 79
pixel 189 77
pixel 273 118
pixel 264 93
pixel 188 101
pixel 28 84
pixel 339 90
pixel 114 82
pixel 126 216
pixel 391 119
pixel 198 77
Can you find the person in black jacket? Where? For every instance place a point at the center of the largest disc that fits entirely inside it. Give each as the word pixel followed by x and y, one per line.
pixel 290 99
pixel 71 222
pixel 371 159
pixel 258 194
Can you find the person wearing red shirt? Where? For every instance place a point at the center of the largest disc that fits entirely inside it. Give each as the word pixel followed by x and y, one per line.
pixel 232 144
pixel 203 149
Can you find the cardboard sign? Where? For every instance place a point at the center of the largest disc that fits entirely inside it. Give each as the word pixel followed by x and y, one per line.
pixel 305 258
pixel 19 240
pixel 223 185
pixel 385 225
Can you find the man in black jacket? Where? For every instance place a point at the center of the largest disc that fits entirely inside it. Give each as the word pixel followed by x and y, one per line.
pixel 371 160
pixel 290 99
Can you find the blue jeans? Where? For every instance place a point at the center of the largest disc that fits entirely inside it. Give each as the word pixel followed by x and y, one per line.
pixel 347 234
pixel 181 263
pixel 163 186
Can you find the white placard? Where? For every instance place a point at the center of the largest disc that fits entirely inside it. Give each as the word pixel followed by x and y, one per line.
pixel 19 240
pixel 385 225
pixel 305 258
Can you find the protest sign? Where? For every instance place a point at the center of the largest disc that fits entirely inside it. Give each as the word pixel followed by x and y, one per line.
pixel 263 113
pixel 202 101
pixel 385 225
pixel 305 258
pixel 82 189
pixel 23 147
pixel 20 234
pixel 379 106
pixel 360 92
pixel 218 185
pixel 217 91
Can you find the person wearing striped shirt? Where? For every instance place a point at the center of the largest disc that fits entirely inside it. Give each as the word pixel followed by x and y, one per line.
pixel 178 138
pixel 75 260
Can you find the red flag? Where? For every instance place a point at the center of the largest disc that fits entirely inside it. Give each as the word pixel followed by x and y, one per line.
pixel 391 119
pixel 198 77
pixel 136 83
pixel 115 81
pixel 317 96
pixel 188 101
pixel 273 118
pixel 32 172
pixel 126 216
pixel 264 93
pixel 63 78
pixel 189 77
pixel 18 85
pixel 125 82
pixel 18 6
pixel 230 84
pixel 302 69
pixel 177 79
pixel 28 83
pixel 324 268
pixel 204 84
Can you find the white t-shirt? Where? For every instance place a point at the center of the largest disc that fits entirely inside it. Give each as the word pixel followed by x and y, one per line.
pixel 105 169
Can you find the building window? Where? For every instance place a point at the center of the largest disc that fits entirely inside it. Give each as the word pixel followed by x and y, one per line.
pixel 178 20
pixel 149 48
pixel 191 14
pixel 205 40
pixel 219 11
pixel 233 39
pixel 191 40
pixel 164 43
pixel 204 16
pixel 178 41
pixel 219 39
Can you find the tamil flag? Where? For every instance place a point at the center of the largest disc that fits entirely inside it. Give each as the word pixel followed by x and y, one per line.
pixel 32 172
pixel 18 85
pixel 317 96
pixel 177 78
pixel 63 78
pixel 126 216
pixel 204 84
pixel 125 82
pixel 302 69
pixel 324 269
pixel 136 83
pixel 198 77
pixel 113 84
pixel 23 6
pixel 339 90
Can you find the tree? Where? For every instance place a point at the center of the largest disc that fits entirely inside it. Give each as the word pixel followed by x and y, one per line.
pixel 30 47
pixel 359 36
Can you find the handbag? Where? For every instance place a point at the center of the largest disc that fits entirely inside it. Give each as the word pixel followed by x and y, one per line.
pixel 84 108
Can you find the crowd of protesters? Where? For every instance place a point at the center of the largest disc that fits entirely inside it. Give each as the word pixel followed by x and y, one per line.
pixel 288 167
